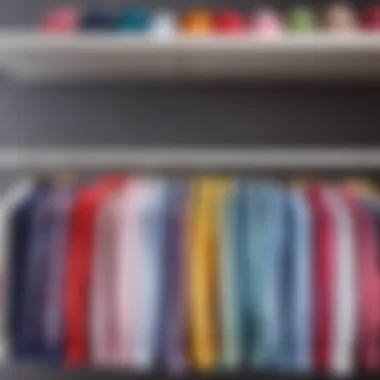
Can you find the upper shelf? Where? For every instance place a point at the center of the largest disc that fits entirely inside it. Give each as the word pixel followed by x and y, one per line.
pixel 32 55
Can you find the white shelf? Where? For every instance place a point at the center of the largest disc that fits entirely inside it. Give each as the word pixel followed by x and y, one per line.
pixel 313 158
pixel 32 55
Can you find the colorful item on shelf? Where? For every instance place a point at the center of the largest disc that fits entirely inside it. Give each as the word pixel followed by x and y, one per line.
pixel 97 20
pixel 302 19
pixel 230 21
pixel 340 17
pixel 134 20
pixel 163 24
pixel 267 22
pixel 61 20
pixel 370 18
pixel 197 22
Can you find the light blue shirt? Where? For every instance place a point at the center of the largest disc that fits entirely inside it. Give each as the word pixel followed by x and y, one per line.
pixel 151 219
pixel 296 348
pixel 265 247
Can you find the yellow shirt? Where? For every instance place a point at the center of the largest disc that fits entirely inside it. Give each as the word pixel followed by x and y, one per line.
pixel 202 270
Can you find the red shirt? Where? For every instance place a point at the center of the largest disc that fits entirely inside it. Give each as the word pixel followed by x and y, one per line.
pixel 324 272
pixel 368 287
pixel 79 256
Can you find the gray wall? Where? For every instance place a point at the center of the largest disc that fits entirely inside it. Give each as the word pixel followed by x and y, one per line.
pixel 189 114
pixel 177 113
pixel 163 114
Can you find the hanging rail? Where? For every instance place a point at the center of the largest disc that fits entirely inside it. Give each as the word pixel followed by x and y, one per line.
pixel 187 158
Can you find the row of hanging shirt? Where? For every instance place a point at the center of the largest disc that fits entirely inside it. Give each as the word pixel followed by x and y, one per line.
pixel 201 273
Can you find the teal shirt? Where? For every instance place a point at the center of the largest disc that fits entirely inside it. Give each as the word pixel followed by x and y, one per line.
pixel 229 271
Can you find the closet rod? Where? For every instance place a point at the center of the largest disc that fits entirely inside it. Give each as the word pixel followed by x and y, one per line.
pixel 188 158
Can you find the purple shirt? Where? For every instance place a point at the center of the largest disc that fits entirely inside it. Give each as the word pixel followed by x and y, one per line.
pixel 58 207
pixel 172 329
pixel 35 278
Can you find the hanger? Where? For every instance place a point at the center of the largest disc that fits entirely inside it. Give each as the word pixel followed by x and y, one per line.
pixel 66 179
pixel 363 186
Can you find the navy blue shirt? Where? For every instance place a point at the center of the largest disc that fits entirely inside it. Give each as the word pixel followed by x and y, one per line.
pixel 20 240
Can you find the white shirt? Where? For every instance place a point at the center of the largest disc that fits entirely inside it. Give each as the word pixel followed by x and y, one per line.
pixel 138 272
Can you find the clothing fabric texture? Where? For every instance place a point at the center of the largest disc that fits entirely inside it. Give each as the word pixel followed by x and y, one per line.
pixel 9 201
pixel 79 260
pixel 143 272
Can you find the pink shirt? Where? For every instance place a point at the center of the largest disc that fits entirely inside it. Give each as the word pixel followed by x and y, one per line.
pixel 104 346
